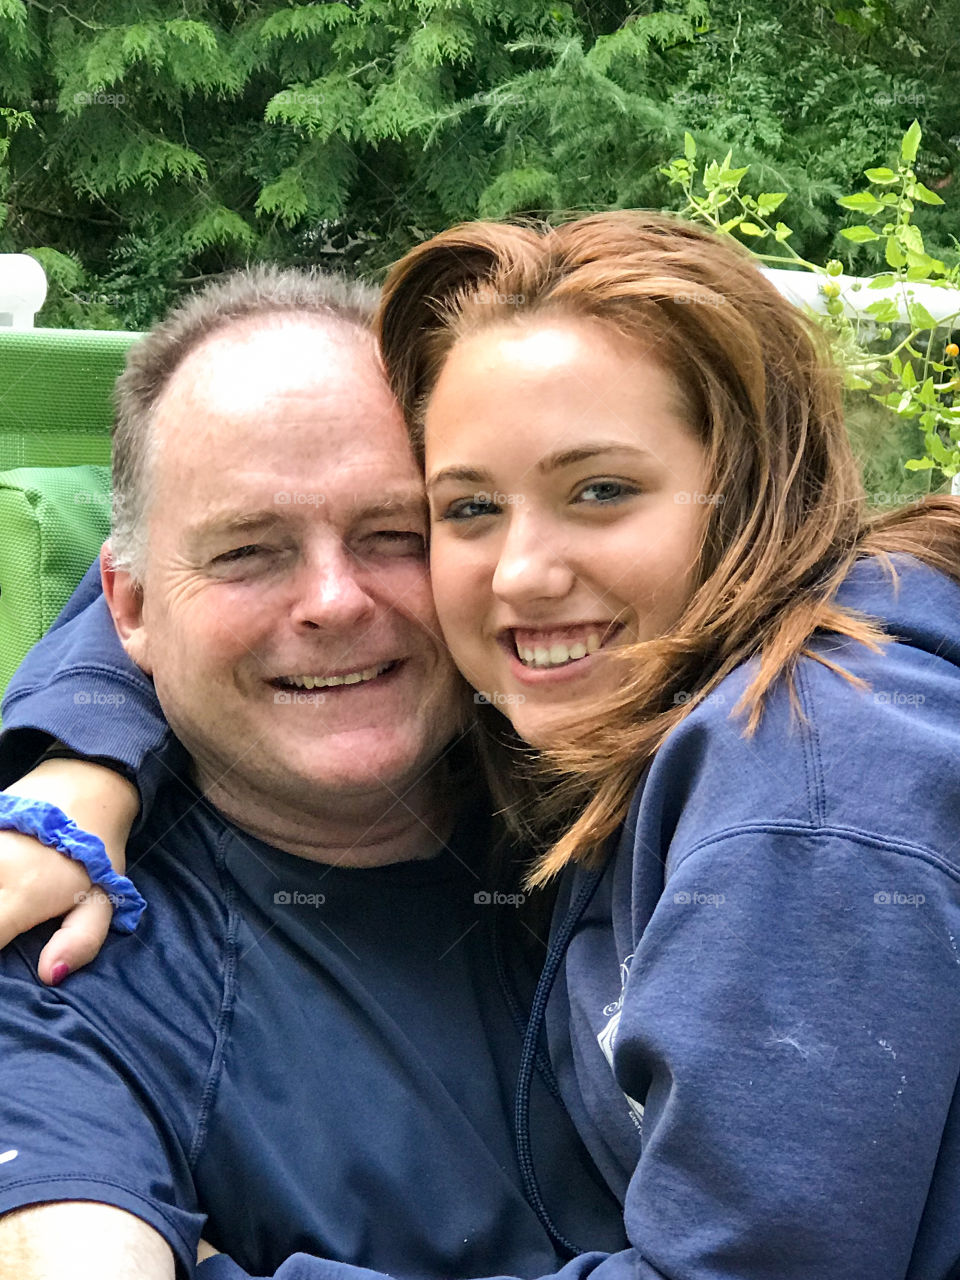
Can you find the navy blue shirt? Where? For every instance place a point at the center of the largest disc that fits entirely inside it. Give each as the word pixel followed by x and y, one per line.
pixel 316 1058
pixel 755 1022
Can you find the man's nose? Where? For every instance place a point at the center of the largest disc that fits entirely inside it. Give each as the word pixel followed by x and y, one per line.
pixel 330 593
pixel 531 565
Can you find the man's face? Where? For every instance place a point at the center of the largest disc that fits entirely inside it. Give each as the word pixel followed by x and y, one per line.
pixel 287 617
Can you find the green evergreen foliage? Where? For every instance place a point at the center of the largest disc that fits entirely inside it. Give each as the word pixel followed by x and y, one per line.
pixel 146 145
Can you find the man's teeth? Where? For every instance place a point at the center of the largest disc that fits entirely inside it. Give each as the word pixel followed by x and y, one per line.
pixel 555 655
pixel 329 682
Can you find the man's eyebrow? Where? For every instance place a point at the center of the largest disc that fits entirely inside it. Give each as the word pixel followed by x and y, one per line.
pixel 552 462
pixel 399 504
pixel 243 522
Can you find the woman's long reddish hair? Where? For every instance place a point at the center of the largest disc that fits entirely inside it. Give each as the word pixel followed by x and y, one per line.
pixel 765 400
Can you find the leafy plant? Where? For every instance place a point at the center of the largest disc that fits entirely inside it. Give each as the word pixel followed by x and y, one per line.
pixel 889 346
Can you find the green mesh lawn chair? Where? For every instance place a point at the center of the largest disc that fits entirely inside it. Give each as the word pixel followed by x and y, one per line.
pixel 55 412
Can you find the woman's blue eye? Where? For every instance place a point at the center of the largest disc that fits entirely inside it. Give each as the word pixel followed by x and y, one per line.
pixel 605 491
pixel 469 509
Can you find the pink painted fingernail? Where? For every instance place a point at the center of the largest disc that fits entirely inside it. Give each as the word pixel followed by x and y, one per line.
pixel 59 972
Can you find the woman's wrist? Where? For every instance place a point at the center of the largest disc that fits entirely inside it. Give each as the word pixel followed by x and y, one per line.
pixel 98 799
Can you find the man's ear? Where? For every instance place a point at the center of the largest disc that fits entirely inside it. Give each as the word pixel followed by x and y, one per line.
pixel 124 597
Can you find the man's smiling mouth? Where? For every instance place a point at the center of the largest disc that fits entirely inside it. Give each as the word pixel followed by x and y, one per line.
pixel 360 676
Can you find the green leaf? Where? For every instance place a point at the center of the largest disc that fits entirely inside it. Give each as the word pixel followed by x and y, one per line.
pixel 689 147
pixel 919 464
pixel 936 448
pixel 927 395
pixel 926 195
pixel 733 176
pixel 910 237
pixel 920 318
pixel 860 234
pixel 928 420
pixel 908 377
pixel 884 311
pixel 768 201
pixel 862 202
pixel 782 231
pixel 882 282
pixel 751 229
pixel 894 254
pixel 911 143
pixel 882 176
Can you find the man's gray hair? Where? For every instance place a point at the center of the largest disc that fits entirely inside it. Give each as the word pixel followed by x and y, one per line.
pixel 256 292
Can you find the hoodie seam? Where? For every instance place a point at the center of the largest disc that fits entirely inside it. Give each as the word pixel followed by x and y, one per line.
pixel 224 1020
pixel 813 759
pixel 115 673
pixel 907 850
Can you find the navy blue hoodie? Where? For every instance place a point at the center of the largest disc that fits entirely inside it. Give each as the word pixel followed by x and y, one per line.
pixel 753 1009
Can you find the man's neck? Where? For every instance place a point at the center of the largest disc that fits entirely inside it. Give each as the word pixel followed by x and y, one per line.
pixel 367 830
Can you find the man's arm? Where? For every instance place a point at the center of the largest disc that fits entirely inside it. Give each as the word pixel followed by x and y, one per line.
pixel 82 1240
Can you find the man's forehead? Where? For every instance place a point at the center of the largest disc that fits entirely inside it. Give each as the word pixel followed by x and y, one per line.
pixel 275 357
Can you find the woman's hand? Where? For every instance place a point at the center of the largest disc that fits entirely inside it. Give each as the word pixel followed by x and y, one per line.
pixel 38 883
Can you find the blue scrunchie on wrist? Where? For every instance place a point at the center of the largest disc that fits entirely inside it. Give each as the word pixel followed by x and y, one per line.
pixel 51 826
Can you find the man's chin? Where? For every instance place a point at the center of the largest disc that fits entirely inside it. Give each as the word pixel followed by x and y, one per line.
pixel 351 761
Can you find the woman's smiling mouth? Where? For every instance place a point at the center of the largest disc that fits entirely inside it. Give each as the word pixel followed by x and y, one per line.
pixel 542 649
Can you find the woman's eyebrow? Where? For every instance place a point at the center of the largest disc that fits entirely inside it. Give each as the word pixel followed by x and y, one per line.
pixel 466 474
pixel 567 457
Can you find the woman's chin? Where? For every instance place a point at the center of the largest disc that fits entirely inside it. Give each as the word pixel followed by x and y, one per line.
pixel 544 727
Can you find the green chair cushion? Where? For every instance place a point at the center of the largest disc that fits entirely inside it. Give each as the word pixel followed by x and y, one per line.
pixel 56 395
pixel 52 524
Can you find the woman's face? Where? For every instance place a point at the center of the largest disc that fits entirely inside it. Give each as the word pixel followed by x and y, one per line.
pixel 566 499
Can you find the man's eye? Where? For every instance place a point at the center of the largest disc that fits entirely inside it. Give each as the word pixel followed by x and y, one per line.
pixel 239 553
pixel 602 492
pixel 401 542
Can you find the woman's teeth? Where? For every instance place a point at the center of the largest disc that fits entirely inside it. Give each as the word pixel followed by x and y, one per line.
pixel 557 655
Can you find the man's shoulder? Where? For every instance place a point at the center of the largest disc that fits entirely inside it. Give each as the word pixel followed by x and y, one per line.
pixel 165 982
